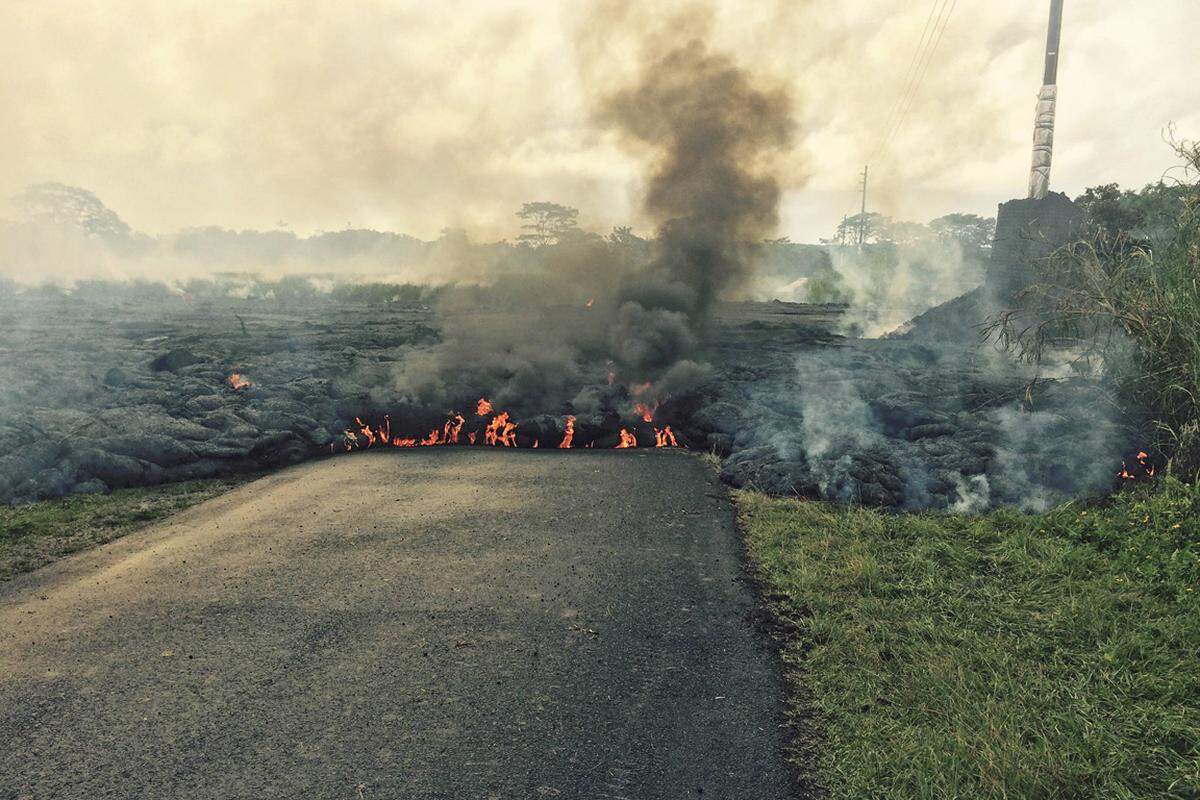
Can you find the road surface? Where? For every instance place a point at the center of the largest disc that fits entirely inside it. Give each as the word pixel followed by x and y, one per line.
pixel 458 623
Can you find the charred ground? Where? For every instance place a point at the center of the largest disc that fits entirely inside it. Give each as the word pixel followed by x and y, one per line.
pixel 125 390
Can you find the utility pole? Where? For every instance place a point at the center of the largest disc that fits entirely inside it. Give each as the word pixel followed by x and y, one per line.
pixel 1043 125
pixel 862 214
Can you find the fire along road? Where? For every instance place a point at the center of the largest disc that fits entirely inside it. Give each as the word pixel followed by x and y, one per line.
pixel 459 623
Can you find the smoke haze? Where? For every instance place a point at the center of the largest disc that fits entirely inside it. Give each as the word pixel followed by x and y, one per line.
pixel 709 135
pixel 413 117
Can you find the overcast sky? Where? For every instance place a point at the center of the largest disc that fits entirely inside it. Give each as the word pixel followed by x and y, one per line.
pixel 415 116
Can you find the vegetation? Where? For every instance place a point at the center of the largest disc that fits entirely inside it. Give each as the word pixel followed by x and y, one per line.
pixel 1128 303
pixel 34 534
pixel 1000 656
pixel 547 223
pixel 970 231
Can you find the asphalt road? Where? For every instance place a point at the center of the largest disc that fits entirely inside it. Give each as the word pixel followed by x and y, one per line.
pixel 447 624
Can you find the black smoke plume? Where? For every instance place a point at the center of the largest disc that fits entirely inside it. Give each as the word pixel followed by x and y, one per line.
pixel 709 132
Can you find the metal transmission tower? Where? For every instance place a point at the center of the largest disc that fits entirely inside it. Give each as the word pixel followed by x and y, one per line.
pixel 1043 125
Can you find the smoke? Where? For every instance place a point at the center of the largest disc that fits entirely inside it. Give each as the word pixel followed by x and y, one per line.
pixel 946 425
pixel 885 286
pixel 709 135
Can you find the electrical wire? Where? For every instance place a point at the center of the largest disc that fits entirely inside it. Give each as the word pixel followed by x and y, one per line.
pixel 909 99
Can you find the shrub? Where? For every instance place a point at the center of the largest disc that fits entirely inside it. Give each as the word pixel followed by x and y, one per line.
pixel 1129 306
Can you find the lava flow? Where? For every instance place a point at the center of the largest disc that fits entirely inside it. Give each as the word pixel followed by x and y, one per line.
pixel 499 430
pixel 1143 461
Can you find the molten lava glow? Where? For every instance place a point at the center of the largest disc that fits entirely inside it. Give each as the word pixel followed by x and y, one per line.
pixel 568 435
pixel 499 431
pixel 664 437
pixel 1143 461
pixel 239 382
pixel 645 411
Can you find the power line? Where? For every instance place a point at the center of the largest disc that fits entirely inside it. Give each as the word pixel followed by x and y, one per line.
pixel 908 76
pixel 940 25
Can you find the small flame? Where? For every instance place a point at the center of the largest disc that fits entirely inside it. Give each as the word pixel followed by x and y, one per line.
pixel 1143 461
pixel 589 303
pixel 500 431
pixel 645 411
pixel 665 438
pixel 568 435
pixel 239 382
pixel 452 429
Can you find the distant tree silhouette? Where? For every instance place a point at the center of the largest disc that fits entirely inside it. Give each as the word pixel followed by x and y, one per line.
pixel 547 223
pixel 969 230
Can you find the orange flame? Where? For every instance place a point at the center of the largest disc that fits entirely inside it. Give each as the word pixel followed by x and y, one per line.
pixel 589 303
pixel 665 438
pixel 239 382
pixel 568 435
pixel 483 407
pixel 452 429
pixel 500 431
pixel 1143 460
pixel 646 412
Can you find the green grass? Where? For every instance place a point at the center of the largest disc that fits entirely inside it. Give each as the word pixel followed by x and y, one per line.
pixel 37 533
pixel 1000 656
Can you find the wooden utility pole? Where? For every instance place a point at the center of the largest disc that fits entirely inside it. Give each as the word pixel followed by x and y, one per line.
pixel 862 214
pixel 1043 125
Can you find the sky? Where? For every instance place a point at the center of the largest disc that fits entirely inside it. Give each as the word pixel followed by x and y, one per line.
pixel 419 116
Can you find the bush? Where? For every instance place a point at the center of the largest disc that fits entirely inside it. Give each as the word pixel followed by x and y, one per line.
pixel 1131 307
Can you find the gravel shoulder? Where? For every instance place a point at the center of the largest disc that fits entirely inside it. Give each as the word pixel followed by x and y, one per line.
pixel 455 623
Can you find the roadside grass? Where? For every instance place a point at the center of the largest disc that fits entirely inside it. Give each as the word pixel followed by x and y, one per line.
pixel 1006 655
pixel 35 534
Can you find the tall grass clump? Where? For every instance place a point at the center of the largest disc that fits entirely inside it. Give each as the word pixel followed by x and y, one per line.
pixel 1128 304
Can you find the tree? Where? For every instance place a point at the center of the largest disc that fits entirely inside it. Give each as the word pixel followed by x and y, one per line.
pixel 547 223
pixel 1149 213
pixel 623 236
pixel 872 225
pixel 969 230
pixel 1109 209
pixel 906 233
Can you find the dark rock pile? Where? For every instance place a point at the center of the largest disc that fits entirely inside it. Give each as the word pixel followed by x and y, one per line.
pixel 905 424
pixel 98 397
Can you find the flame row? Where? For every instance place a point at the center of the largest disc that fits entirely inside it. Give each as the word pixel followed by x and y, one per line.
pixel 500 431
